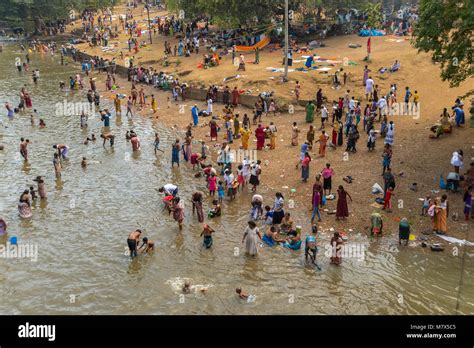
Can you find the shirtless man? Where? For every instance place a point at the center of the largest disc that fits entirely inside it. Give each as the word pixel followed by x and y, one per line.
pixel 132 241
pixel 135 142
pixel 108 137
pixel 23 148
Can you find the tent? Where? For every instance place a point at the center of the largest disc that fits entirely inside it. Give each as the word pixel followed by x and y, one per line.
pixel 373 32
pixel 261 44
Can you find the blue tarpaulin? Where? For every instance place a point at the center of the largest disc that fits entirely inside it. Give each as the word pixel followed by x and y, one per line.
pixel 373 32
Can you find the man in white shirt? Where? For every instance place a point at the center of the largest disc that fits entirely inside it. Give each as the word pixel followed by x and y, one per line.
pixel 369 87
pixel 352 104
pixel 169 190
pixel 324 116
pixel 382 106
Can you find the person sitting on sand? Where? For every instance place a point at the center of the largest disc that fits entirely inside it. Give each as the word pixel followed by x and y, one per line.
pixel 395 66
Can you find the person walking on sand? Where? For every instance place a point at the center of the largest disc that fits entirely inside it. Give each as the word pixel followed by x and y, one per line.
pixel 327 174
pixel 195 115
pixel 323 139
pixel 310 107
pixel 366 75
pixel 235 96
pixel 244 137
pixel 297 91
pixel 260 135
pixel 294 134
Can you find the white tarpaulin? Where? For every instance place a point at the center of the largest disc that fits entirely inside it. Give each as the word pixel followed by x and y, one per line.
pixel 455 240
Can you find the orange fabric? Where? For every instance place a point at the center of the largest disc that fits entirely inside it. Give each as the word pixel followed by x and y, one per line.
pixel 260 44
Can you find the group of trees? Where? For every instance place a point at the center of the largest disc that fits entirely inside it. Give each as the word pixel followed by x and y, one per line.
pixel 231 13
pixel 30 14
pixel 446 29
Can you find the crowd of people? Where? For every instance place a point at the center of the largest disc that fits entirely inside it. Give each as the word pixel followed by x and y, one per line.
pixel 342 120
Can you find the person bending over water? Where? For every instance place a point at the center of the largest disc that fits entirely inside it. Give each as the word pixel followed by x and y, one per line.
pixel 147 246
pixel 108 137
pixel 63 150
pixel 132 241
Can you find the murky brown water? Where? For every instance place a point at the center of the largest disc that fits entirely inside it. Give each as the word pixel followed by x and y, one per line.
pixel 81 246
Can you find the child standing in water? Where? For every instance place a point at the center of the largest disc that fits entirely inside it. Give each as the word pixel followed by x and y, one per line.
pixel 220 191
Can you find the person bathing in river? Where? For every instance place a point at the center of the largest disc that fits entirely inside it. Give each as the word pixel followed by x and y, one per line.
pixel 207 233
pixel 147 246
pixel 108 137
pixel 135 142
pixel 177 207
pixel 132 241
pixel 197 205
pixel 271 237
pixel 41 187
pixel 63 150
pixel 215 210
pixel 24 148
pixel 57 165
pixel 169 190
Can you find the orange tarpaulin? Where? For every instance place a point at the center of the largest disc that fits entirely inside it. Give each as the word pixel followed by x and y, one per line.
pixel 261 44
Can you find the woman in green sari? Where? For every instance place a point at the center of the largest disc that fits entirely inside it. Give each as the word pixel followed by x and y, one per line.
pixel 310 107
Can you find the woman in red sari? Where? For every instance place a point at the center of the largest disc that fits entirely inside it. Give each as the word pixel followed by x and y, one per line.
pixel 260 134
pixel 213 126
pixel 342 210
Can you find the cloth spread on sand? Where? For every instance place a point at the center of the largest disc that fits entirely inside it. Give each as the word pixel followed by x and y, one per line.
pixel 455 240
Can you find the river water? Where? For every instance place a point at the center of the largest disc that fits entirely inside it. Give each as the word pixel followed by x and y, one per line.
pixel 81 230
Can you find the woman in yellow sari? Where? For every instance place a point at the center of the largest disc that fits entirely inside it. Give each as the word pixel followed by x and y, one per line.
pixel 153 103
pixel 441 216
pixel 245 136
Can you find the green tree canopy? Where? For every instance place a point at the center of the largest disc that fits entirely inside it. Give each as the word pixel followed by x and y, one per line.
pixel 446 29
pixel 232 13
pixel 26 13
